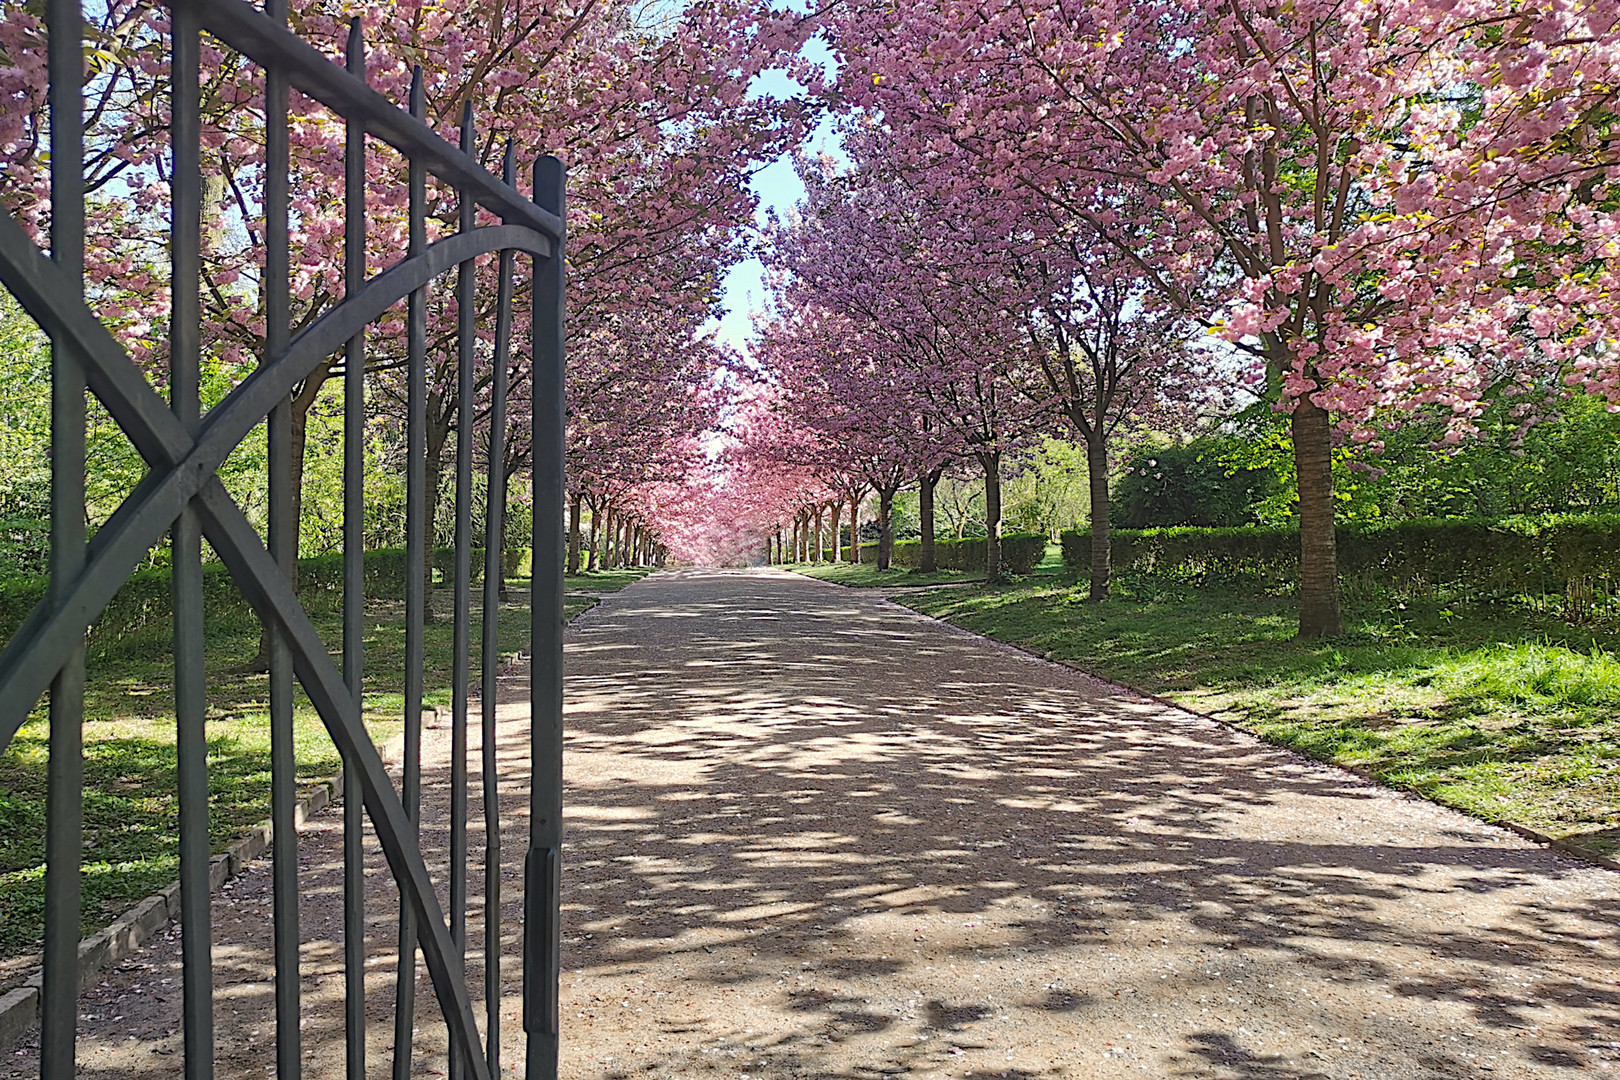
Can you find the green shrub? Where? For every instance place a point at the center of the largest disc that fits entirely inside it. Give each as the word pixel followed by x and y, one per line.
pixel 444 561
pixel 144 599
pixel 1187 484
pixel 520 562
pixel 1508 556
pixel 1020 553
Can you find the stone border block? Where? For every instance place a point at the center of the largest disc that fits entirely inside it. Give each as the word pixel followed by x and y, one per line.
pixel 18 1010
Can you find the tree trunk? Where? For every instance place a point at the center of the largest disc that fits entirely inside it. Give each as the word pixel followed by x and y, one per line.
pixel 573 534
pixel 927 561
pixel 506 525
pixel 438 434
pixel 821 549
pixel 1311 428
pixel 885 527
pixel 837 512
pixel 991 463
pixel 302 402
pixel 1097 467
pixel 854 528
pixel 595 560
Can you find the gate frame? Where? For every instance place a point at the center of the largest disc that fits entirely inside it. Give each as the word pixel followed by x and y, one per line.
pixel 182 496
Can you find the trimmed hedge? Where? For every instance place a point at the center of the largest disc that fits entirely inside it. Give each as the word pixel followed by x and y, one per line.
pixel 1020 553
pixel 144 599
pixel 1521 555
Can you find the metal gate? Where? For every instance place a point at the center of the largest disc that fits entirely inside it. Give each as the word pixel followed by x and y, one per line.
pixel 181 497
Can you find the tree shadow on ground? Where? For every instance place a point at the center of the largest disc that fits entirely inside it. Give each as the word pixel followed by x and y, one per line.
pixel 820 839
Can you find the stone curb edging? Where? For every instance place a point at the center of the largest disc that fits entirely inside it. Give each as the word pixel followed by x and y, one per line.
pixel 1564 847
pixel 19 1008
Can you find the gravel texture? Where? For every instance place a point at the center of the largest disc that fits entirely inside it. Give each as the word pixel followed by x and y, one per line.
pixel 813 835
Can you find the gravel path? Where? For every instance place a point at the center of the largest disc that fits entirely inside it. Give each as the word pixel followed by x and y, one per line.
pixel 815 836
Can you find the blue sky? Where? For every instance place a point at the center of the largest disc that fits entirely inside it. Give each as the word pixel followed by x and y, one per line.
pixel 778 187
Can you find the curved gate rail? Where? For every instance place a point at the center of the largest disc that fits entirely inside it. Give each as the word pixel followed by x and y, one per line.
pixel 182 497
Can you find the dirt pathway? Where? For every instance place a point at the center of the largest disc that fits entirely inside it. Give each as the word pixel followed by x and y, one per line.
pixel 813 835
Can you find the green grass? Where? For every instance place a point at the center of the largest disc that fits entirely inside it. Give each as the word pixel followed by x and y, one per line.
pixel 131 846
pixel 1506 712
pixel 867 575
pixel 604 581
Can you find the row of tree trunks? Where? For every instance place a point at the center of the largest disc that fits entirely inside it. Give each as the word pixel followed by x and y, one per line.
pixel 813 536
pixel 616 539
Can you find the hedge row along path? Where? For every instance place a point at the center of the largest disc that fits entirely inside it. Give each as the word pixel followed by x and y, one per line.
pixel 814 835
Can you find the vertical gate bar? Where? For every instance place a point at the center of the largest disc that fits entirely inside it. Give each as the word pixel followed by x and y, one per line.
pixel 494 569
pixel 284 548
pixel 415 584
pixel 354 575
pixel 190 686
pixel 64 817
pixel 541 922
pixel 461 634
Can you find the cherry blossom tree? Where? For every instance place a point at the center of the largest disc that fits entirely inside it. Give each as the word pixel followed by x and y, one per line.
pixel 1382 202
pixel 649 107
pixel 870 247
pixel 865 413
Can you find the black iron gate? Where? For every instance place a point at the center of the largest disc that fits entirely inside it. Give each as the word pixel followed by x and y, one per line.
pixel 181 497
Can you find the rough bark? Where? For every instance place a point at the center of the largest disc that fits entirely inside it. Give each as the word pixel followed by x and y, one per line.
pixel 440 423
pixel 821 549
pixel 885 552
pixel 1311 428
pixel 511 469
pixel 854 529
pixel 836 510
pixel 927 560
pixel 573 533
pixel 1097 467
pixel 991 463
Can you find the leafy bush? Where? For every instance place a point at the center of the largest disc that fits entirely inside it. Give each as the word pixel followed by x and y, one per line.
pixel 1189 484
pixel 1020 553
pixel 144 600
pixel 444 561
pixel 1507 556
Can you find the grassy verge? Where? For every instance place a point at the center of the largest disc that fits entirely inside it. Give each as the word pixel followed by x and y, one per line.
pixel 867 575
pixel 604 581
pixel 131 846
pixel 1506 712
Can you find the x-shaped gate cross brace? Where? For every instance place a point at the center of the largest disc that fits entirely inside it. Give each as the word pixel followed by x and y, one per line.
pixel 183 468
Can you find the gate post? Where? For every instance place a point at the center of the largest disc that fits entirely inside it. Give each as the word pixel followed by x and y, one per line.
pixel 542 931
